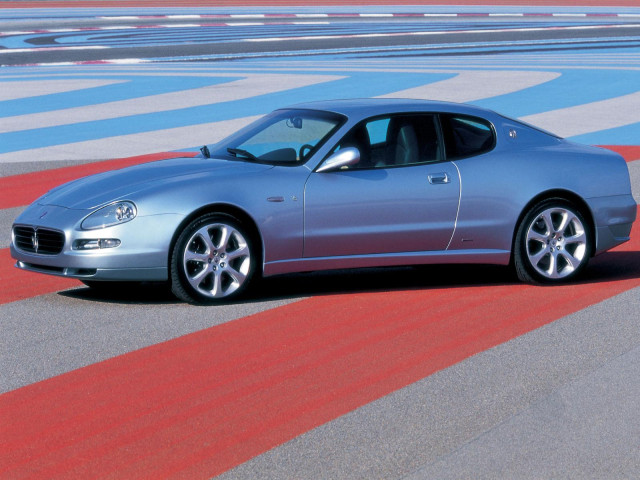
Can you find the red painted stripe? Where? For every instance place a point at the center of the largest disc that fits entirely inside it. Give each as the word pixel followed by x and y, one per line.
pixel 18 284
pixel 20 190
pixel 630 153
pixel 201 404
pixel 272 3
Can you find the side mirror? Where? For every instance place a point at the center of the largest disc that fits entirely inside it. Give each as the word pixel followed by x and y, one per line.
pixel 342 158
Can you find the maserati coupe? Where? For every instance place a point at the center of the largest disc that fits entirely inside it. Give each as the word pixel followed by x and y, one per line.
pixel 336 185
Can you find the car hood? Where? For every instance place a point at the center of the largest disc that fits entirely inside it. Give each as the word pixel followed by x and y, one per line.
pixel 98 190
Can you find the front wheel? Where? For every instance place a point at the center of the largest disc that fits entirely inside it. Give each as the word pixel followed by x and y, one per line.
pixel 553 243
pixel 213 259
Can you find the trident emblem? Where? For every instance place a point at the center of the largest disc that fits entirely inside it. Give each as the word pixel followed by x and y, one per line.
pixel 34 240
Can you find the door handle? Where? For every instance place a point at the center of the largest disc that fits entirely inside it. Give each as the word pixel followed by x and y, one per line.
pixel 438 178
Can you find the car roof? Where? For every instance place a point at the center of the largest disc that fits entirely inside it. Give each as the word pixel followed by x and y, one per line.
pixel 367 107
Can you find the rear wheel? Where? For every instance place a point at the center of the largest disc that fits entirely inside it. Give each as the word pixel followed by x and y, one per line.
pixel 553 243
pixel 212 260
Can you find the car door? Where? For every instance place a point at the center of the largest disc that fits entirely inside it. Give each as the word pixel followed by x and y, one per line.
pixel 397 201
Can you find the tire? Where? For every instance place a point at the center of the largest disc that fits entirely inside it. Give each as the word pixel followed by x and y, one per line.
pixel 553 243
pixel 213 260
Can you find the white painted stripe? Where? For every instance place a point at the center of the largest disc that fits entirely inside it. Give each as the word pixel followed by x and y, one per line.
pixel 53 49
pixel 590 117
pixel 245 24
pixel 120 17
pixel 122 27
pixel 473 85
pixel 119 61
pixel 131 145
pixel 252 85
pixel 147 27
pixel 438 32
pixel 180 25
pixel 541 14
pixel 14 90
pixel 126 61
pixel 236 24
pixel 247 16
pixel 185 17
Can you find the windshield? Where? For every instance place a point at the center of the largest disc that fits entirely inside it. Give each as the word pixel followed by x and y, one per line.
pixel 284 137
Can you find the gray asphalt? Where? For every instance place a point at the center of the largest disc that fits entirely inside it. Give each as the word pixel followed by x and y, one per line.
pixel 7 216
pixel 53 334
pixel 634 173
pixel 558 402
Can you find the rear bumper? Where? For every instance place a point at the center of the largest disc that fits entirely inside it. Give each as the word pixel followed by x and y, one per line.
pixel 613 218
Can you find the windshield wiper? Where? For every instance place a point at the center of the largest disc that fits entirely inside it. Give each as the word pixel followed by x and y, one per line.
pixel 238 152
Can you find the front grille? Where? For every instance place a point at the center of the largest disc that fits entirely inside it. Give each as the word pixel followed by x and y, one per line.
pixel 38 240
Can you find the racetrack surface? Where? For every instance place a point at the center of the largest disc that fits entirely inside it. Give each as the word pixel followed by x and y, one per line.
pixel 297 3
pixel 431 372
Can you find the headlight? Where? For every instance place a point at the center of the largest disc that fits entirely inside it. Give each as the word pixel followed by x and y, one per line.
pixel 114 214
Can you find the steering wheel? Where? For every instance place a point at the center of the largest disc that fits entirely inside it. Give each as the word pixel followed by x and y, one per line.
pixel 304 147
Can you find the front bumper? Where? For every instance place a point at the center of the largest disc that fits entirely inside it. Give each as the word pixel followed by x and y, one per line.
pixel 142 255
pixel 157 274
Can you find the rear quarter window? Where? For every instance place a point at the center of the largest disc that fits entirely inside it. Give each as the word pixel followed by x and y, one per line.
pixel 466 136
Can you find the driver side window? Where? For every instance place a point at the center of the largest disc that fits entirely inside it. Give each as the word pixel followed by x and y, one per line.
pixel 394 141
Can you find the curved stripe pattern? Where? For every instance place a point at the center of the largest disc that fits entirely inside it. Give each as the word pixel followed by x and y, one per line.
pixel 580 87
pixel 147 102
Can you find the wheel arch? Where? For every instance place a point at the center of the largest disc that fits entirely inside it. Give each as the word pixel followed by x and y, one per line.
pixel 224 209
pixel 559 194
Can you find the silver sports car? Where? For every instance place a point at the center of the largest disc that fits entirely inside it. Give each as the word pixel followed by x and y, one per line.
pixel 338 184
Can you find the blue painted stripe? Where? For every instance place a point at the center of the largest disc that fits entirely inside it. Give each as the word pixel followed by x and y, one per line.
pixel 627 135
pixel 572 88
pixel 354 86
pixel 133 87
